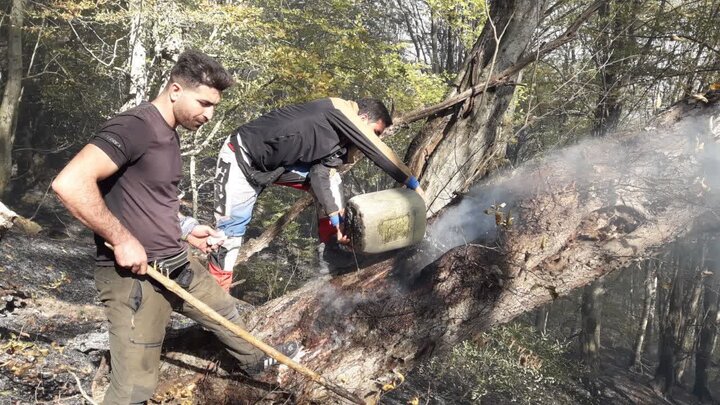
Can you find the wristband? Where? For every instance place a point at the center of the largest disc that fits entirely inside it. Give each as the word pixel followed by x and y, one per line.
pixel 187 224
pixel 412 183
pixel 335 220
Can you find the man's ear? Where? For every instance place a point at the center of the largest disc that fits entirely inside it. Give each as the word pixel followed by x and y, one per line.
pixel 175 91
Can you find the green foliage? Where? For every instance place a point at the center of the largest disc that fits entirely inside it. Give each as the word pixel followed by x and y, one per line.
pixel 280 52
pixel 634 57
pixel 466 17
pixel 319 53
pixel 512 362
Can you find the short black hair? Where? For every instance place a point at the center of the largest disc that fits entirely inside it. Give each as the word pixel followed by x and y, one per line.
pixel 375 110
pixel 194 68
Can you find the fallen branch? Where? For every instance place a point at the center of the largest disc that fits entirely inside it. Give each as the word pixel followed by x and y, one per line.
pixel 9 218
pixel 503 77
pixel 255 245
pixel 82 391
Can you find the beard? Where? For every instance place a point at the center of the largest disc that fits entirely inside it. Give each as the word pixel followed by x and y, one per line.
pixel 192 123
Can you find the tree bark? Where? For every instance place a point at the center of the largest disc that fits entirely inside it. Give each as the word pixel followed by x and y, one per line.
pixel 11 93
pixel 577 215
pixel 8 219
pixel 137 63
pixel 691 314
pixel 648 310
pixel 708 334
pixel 591 313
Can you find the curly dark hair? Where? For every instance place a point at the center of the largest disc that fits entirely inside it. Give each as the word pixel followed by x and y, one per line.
pixel 194 68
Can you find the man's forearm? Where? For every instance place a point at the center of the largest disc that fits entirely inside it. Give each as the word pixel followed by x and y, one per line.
pixel 84 201
pixel 321 186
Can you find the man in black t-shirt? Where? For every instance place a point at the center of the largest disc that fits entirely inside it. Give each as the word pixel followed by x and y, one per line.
pixel 124 186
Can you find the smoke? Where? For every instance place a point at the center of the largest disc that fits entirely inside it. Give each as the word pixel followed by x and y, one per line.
pixel 651 169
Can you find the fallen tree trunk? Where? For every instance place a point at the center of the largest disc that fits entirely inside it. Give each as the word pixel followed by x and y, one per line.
pixel 569 219
pixel 8 219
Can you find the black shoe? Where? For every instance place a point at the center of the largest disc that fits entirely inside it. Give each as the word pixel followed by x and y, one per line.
pixel 335 259
pixel 290 349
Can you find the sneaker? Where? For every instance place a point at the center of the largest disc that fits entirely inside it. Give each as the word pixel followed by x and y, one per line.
pixel 290 349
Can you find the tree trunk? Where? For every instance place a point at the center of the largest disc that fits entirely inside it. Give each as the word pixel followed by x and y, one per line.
pixel 11 94
pixel 665 373
pixel 433 43
pixel 670 350
pixel 648 310
pixel 137 61
pixel 452 152
pixel 691 314
pixel 708 334
pixel 541 319
pixel 613 42
pixel 576 215
pixel 8 219
pixel 591 312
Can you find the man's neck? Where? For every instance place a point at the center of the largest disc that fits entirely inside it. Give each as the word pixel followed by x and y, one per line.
pixel 164 105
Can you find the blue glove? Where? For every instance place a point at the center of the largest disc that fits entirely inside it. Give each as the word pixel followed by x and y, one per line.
pixel 335 220
pixel 412 183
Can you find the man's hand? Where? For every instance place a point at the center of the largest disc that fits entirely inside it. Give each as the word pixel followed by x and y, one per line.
pixel 131 255
pixel 198 237
pixel 341 237
pixel 337 220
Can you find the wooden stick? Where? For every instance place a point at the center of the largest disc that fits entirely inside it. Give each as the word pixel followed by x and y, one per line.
pixel 243 334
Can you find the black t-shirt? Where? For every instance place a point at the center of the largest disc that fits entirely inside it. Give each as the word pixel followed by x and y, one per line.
pixel 143 193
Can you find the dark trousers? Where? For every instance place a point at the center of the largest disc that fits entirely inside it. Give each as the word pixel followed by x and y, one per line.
pixel 139 311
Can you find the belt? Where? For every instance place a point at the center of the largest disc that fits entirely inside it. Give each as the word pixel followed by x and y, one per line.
pixel 172 263
pixel 335 155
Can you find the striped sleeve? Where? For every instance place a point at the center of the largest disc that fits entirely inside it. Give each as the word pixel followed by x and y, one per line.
pixel 346 121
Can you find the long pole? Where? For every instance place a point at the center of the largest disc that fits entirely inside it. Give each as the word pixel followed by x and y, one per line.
pixel 243 334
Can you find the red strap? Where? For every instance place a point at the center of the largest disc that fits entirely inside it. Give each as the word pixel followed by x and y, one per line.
pixel 300 186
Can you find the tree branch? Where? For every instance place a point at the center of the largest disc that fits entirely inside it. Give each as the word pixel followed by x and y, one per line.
pixel 504 76
pixel 256 245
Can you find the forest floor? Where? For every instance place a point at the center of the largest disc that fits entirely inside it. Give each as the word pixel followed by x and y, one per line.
pixel 613 384
pixel 53 341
